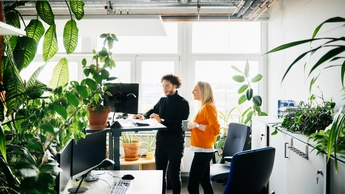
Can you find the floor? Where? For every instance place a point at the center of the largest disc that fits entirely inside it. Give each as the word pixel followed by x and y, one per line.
pixel 217 187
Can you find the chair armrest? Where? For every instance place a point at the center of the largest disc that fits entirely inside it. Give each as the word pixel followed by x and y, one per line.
pixel 228 158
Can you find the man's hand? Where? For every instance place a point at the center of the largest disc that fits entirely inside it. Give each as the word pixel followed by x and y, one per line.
pixel 138 116
pixel 156 116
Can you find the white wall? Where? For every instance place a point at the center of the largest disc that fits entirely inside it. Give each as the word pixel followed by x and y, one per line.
pixel 292 20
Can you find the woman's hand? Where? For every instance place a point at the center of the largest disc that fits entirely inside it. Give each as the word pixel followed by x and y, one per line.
pixel 191 125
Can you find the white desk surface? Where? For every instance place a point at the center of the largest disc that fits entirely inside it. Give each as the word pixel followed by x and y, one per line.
pixel 145 181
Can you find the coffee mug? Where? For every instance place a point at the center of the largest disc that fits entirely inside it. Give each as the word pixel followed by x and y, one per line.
pixel 185 125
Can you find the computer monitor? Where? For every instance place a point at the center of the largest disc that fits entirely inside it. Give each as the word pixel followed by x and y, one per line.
pixel 88 153
pixel 64 158
pixel 124 99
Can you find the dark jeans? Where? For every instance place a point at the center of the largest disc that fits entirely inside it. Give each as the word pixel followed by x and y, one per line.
pixel 200 173
pixel 170 153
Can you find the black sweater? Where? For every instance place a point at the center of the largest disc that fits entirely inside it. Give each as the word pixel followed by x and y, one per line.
pixel 173 109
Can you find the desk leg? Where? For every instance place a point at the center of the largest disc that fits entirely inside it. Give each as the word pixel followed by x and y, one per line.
pixel 116 148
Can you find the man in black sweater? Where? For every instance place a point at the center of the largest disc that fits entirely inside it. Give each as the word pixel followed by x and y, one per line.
pixel 170 111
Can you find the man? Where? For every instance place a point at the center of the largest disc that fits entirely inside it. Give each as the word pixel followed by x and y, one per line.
pixel 170 111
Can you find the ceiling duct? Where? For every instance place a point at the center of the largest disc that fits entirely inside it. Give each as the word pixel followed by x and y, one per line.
pixel 255 4
pixel 174 10
pixel 244 8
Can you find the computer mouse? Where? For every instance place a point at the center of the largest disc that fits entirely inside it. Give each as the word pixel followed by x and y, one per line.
pixel 124 116
pixel 128 177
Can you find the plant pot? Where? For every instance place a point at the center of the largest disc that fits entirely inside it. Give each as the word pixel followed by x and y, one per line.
pixel 98 120
pixel 150 155
pixel 131 150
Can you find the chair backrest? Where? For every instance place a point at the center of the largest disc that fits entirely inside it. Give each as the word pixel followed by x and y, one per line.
pixel 236 139
pixel 250 171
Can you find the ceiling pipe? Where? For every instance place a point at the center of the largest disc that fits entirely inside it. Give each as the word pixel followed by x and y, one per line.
pixel 266 8
pixel 244 8
pixel 238 7
pixel 260 6
pixel 251 9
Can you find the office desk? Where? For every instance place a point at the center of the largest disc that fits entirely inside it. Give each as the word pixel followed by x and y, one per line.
pixel 127 125
pixel 147 181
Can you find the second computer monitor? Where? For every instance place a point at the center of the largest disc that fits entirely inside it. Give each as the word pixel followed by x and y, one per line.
pixel 88 153
pixel 125 97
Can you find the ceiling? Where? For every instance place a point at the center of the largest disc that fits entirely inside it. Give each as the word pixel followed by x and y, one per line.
pixel 180 10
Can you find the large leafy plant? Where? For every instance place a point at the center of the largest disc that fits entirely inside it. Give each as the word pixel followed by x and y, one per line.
pixel 247 94
pixel 333 49
pixel 36 120
pixel 94 87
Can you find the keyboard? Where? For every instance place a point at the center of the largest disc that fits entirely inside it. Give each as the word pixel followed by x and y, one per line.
pixel 121 187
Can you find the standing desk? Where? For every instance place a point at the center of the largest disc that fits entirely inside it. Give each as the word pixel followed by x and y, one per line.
pixel 128 125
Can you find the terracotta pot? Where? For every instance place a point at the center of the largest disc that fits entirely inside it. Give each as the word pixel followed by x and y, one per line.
pixel 98 120
pixel 150 155
pixel 131 150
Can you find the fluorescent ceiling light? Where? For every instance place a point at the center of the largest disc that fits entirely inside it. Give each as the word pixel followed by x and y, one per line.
pixel 6 29
pixel 120 25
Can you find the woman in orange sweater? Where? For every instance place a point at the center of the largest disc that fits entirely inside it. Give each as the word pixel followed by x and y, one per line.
pixel 204 130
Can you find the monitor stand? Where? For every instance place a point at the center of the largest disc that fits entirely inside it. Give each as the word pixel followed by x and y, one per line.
pixel 91 177
pixel 81 189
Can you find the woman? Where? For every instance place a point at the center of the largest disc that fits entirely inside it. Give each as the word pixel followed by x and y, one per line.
pixel 204 130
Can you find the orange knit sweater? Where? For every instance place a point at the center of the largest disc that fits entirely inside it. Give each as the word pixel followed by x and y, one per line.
pixel 207 116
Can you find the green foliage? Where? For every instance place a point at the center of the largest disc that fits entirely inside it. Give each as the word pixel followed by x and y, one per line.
pixel 310 117
pixel 247 95
pixel 333 49
pixel 36 120
pixel 149 141
pixel 94 87
pixel 127 137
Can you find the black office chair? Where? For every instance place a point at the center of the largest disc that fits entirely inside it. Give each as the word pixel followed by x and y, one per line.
pixel 250 171
pixel 236 141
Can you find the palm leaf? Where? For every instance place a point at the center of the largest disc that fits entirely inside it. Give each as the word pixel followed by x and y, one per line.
pixel 330 54
pixel 331 20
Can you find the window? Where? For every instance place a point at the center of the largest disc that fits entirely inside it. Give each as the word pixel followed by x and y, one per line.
pixel 147 44
pixel 226 37
pixel 151 87
pixel 47 71
pixel 224 87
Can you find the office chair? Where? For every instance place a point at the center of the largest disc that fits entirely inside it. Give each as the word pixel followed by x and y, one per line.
pixel 236 141
pixel 250 171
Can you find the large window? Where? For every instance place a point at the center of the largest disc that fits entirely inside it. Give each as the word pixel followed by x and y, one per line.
pixel 198 51
pixel 151 87
pixel 226 37
pixel 147 44
pixel 224 88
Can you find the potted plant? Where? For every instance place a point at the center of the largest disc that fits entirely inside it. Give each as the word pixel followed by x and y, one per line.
pixel 130 146
pixel 149 142
pixel 309 117
pixel 332 140
pixel 95 86
pixel 34 125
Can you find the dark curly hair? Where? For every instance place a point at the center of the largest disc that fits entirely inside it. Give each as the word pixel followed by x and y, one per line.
pixel 174 79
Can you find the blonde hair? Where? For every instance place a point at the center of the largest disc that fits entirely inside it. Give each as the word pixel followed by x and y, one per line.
pixel 206 93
